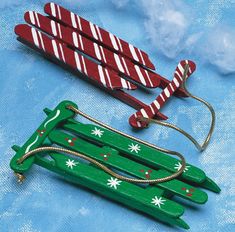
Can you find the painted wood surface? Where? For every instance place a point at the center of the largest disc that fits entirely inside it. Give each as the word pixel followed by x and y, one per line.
pixel 97 34
pixel 118 152
pixel 151 110
pixel 58 50
pixel 100 56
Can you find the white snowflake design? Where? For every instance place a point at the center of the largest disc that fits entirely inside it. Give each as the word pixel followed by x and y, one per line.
pixel 158 201
pixel 113 182
pixel 97 132
pixel 179 165
pixel 71 163
pixel 134 147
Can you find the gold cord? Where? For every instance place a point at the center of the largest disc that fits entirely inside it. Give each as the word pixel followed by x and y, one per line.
pixel 98 164
pixel 193 140
pixel 103 167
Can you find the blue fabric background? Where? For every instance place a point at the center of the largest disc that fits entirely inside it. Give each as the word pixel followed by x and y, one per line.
pixel 29 83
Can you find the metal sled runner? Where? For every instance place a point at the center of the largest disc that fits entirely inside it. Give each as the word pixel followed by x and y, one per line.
pixel 105 60
pixel 60 134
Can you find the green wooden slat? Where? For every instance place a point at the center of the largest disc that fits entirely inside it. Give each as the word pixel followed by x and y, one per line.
pixel 112 158
pixel 59 114
pixel 211 185
pixel 146 200
pixel 95 141
pixel 141 152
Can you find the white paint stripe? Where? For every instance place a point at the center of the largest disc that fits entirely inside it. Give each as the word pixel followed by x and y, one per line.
pixel 129 84
pixel 35 37
pixel 75 39
pixel 166 91
pixel 180 77
pixel 58 8
pixel 80 39
pixel 137 122
pixel 142 58
pixel 98 30
pixel 84 65
pixel 79 23
pixel 55 48
pixel 60 31
pixel 137 68
pixel 151 83
pixel 78 64
pixel 181 69
pixel 109 80
pixel 53 118
pixel 93 30
pixel 134 55
pixel 124 62
pixel 190 71
pixel 119 43
pixel 162 97
pixel 31 16
pixel 42 42
pixel 118 62
pixel 53 28
pixel 102 51
pixel 176 82
pixel 152 109
pixel 171 87
pixel 97 51
pixel 36 15
pixel 31 144
pixel 114 43
pixel 62 52
pixel 52 5
pixel 124 83
pixel 143 112
pixel 73 20
pixel 101 73
pixel 155 102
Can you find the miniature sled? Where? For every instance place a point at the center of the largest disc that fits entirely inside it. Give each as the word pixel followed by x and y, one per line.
pixel 105 60
pixel 60 133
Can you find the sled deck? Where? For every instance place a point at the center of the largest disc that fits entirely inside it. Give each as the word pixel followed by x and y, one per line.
pixel 101 57
pixel 61 129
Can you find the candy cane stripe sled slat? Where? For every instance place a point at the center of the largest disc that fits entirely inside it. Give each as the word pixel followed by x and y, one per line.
pixel 151 110
pixel 74 21
pixel 54 48
pixel 98 34
pixel 115 61
pixel 108 61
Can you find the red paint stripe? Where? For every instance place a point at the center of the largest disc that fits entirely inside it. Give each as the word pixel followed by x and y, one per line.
pixel 105 56
pixel 147 111
pixel 24 31
pixel 86 30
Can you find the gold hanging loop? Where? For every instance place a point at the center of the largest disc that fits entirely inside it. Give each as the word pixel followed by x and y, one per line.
pixel 103 167
pixel 172 126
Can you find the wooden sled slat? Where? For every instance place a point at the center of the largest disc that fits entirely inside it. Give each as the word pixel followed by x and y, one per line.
pixel 111 157
pixel 58 50
pixel 98 34
pixel 106 57
pixel 96 142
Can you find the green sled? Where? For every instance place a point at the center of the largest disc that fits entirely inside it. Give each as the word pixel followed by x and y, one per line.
pixel 125 155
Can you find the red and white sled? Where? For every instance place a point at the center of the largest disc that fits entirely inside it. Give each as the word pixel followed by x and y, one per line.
pixel 101 56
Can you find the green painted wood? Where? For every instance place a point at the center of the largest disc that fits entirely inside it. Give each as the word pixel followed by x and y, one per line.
pixel 118 152
pixel 143 153
pixel 210 185
pixel 58 115
pixel 148 200
pixel 112 158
